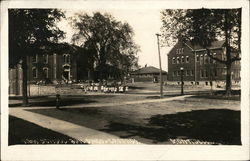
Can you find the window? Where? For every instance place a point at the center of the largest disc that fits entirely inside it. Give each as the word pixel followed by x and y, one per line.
pixel 178 73
pixel 197 58
pixel 178 60
pixel 201 59
pixel 187 59
pixel 182 59
pixel 180 51
pixel 205 59
pixel 46 58
pixel 34 72
pixel 215 73
pixel 34 58
pixel 173 60
pixel 191 73
pixel 174 73
pixel 206 73
pixel 66 58
pixel 187 72
pixel 210 60
pixel 201 73
pixel 214 55
pixel 46 72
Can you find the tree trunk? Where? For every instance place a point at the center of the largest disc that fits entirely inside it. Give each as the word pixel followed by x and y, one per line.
pixel 25 76
pixel 228 79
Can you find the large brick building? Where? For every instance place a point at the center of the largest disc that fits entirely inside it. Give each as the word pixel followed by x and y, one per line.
pixel 198 67
pixel 57 67
pixel 52 67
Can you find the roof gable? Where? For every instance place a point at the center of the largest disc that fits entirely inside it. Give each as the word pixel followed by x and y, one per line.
pixel 148 70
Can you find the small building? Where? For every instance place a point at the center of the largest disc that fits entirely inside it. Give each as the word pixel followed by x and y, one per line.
pixel 198 67
pixel 148 74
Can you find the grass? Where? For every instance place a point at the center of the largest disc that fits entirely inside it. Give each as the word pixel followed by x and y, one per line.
pixel 24 132
pixel 216 121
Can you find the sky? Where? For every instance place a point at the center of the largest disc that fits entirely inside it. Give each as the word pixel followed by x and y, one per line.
pixel 145 23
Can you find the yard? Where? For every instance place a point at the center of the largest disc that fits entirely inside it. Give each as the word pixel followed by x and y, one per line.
pixel 202 120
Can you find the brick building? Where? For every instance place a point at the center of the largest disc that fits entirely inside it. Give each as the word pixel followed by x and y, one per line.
pixel 59 66
pixel 52 67
pixel 148 74
pixel 198 66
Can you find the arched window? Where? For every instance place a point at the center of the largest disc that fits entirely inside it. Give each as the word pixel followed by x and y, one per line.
pixel 46 72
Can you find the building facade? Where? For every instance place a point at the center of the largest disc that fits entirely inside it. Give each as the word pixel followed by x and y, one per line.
pixel 52 68
pixel 148 74
pixel 197 67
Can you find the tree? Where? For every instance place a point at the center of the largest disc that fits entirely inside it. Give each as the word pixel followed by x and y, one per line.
pixel 203 26
pixel 109 41
pixel 28 29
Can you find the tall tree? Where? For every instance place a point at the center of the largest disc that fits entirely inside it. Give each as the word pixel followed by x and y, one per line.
pixel 28 29
pixel 110 42
pixel 203 26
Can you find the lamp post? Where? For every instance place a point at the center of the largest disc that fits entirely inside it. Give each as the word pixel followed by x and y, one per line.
pixel 182 93
pixel 161 88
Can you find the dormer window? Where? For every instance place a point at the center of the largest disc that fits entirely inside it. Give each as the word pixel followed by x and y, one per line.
pixel 179 51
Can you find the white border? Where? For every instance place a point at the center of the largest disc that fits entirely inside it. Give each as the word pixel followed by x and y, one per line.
pixel 125 152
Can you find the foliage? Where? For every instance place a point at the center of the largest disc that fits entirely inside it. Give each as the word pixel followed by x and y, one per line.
pixel 109 41
pixel 28 28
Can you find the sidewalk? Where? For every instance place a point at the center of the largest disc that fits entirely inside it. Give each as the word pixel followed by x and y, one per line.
pixel 81 133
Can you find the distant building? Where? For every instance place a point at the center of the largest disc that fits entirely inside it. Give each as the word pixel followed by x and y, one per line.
pixel 197 66
pixel 148 74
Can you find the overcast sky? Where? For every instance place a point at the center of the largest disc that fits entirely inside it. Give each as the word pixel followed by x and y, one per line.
pixel 145 23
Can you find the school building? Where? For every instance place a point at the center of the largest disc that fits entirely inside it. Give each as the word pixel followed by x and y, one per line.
pixel 197 67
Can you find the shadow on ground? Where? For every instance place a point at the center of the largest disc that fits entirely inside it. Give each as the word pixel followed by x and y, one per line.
pixel 219 126
pixel 65 101
pixel 24 132
pixel 52 102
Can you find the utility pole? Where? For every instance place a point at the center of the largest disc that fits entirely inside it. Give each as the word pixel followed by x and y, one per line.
pixel 161 87
pixel 182 83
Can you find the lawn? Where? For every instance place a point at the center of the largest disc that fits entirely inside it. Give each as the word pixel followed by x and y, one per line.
pixel 199 119
pixel 24 132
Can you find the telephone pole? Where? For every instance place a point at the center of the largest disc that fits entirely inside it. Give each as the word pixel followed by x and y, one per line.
pixel 161 83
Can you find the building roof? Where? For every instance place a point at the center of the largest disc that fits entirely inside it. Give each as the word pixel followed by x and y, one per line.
pixel 214 45
pixel 148 70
